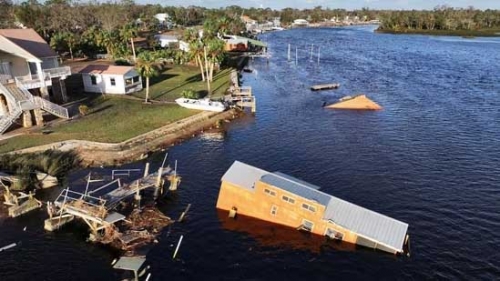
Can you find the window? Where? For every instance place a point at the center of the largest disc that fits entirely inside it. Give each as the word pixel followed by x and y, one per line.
pixel 333 234
pixel 132 80
pixel 307 225
pixel 309 207
pixel 93 80
pixel 270 192
pixel 288 199
pixel 112 81
pixel 274 210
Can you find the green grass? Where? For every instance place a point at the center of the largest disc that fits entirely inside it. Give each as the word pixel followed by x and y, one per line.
pixel 170 83
pixel 463 33
pixel 116 119
pixel 111 119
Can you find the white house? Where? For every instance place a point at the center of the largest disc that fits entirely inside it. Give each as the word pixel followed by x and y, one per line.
pixel 30 76
pixel 111 79
pixel 166 40
pixel 300 22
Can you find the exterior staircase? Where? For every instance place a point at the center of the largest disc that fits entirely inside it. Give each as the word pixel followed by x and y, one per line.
pixel 20 99
pixel 7 120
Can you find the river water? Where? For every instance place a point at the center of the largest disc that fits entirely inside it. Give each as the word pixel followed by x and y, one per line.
pixel 430 158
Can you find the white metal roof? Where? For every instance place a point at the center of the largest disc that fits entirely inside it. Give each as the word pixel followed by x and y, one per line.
pixel 243 175
pixel 369 224
pixel 296 186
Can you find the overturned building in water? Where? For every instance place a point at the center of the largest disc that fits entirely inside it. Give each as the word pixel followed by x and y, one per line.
pixel 281 199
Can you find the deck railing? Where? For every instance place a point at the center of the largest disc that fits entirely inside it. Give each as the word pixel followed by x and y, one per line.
pixel 32 81
pixel 51 107
pixel 58 71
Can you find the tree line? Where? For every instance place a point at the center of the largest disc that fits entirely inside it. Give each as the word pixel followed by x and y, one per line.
pixel 441 18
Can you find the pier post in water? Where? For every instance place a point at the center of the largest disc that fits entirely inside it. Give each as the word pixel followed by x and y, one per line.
pixel 146 169
pixel 289 57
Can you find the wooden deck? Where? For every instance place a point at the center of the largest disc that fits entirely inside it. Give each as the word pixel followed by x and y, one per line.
pixel 325 87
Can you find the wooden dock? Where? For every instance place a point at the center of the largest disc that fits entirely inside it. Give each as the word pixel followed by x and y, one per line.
pixel 97 208
pixel 325 87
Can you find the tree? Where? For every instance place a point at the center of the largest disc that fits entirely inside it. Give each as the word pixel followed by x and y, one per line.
pixel 147 66
pixel 129 32
pixel 63 40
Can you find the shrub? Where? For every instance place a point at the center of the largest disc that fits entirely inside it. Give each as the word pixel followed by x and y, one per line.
pixel 190 94
pixel 83 109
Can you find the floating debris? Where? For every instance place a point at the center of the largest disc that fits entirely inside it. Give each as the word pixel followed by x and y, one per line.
pixel 10 246
pixel 360 102
pixel 177 248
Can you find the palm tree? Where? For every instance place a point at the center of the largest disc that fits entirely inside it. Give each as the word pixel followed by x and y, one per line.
pixel 129 32
pixel 147 66
pixel 215 51
pixel 196 51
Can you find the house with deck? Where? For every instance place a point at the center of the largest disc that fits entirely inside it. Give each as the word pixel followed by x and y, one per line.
pixel 111 79
pixel 31 79
pixel 281 199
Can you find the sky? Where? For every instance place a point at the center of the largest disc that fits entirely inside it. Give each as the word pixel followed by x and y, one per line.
pixel 345 4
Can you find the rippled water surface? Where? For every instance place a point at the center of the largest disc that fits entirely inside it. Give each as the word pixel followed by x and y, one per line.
pixel 430 158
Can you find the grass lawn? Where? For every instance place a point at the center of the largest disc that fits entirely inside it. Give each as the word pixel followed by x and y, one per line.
pixel 170 83
pixel 111 120
pixel 115 119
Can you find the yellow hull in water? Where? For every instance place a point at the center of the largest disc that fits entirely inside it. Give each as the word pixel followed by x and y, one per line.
pixel 361 102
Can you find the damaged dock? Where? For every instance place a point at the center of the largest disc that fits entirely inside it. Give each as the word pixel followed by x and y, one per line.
pixel 98 209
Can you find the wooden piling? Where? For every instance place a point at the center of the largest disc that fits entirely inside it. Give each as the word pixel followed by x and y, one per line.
pixel 181 218
pixel 177 248
pixel 146 169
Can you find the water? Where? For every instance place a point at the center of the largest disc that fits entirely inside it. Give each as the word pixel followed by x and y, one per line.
pixel 431 158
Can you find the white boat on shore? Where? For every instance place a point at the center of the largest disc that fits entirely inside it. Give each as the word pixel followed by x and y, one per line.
pixel 203 104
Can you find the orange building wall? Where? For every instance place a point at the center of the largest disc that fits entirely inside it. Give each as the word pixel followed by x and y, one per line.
pixel 258 204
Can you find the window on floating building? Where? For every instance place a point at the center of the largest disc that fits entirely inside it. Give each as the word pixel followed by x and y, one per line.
pixel 307 225
pixel 309 207
pixel 274 210
pixel 270 192
pixel 333 234
pixel 288 199
pixel 112 81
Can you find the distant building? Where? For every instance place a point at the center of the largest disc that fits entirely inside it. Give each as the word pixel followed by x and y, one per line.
pixel 164 20
pixel 167 40
pixel 242 44
pixel 111 79
pixel 300 22
pixel 284 200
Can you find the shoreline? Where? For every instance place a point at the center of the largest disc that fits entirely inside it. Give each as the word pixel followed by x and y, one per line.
pixel 97 153
pixel 93 154
pixel 457 33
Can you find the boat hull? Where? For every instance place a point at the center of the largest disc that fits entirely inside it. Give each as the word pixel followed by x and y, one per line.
pixel 201 104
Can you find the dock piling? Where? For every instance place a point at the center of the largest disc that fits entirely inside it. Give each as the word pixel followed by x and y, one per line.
pixel 146 170
pixel 289 49
pixel 177 248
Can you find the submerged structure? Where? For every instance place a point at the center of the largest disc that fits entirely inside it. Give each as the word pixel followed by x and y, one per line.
pixel 98 208
pixel 284 200
pixel 360 102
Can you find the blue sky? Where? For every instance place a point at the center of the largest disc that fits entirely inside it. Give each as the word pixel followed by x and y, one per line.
pixel 349 4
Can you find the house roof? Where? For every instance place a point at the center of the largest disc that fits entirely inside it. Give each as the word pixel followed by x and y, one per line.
pixel 252 41
pixel 297 187
pixel 243 175
pixel 106 69
pixel 30 41
pixel 367 223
